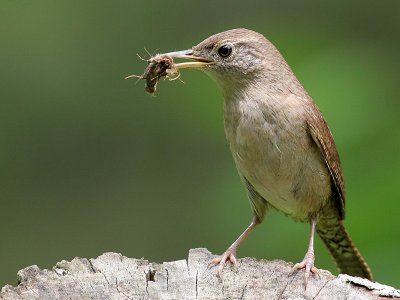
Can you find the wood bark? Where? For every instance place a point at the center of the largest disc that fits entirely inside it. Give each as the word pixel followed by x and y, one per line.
pixel 113 276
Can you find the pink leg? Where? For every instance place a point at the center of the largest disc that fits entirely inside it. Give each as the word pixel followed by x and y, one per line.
pixel 230 254
pixel 308 261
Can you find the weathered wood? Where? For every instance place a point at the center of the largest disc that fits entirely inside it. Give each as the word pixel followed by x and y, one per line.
pixel 113 276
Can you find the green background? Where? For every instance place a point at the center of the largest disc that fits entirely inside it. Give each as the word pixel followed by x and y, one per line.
pixel 91 163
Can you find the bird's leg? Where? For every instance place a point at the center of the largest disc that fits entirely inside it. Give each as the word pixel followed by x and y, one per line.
pixel 308 260
pixel 230 254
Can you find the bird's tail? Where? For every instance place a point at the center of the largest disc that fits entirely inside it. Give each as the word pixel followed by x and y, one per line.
pixel 345 254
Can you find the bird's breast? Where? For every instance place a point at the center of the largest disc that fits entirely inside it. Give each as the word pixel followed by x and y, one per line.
pixel 272 151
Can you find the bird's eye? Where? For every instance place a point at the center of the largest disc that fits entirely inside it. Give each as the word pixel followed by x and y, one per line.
pixel 225 50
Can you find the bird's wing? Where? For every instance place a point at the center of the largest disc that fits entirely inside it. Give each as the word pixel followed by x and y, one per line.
pixel 322 136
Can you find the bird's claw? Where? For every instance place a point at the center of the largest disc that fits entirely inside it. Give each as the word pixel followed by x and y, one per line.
pixel 308 265
pixel 228 256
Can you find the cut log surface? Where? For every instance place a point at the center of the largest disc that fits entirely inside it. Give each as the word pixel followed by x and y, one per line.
pixel 113 276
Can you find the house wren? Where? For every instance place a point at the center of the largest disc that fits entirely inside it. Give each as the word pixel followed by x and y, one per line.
pixel 283 149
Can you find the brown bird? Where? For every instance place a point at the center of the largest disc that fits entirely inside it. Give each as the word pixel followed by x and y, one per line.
pixel 283 149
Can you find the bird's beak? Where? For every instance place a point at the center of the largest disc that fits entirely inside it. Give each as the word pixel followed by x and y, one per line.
pixel 188 54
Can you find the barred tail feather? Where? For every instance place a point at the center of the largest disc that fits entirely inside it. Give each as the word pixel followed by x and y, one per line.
pixel 345 254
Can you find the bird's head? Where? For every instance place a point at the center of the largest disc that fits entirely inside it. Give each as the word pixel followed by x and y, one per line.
pixel 231 57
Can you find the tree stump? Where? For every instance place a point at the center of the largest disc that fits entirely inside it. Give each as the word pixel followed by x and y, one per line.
pixel 113 276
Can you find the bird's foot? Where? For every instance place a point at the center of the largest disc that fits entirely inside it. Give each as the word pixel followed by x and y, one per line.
pixel 228 256
pixel 308 265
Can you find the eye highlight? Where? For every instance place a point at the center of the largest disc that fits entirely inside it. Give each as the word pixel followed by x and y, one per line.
pixel 225 50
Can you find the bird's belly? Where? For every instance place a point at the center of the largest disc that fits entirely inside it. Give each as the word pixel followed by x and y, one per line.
pixel 282 170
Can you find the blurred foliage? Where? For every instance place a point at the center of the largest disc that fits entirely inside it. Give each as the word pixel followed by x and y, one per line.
pixel 91 163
